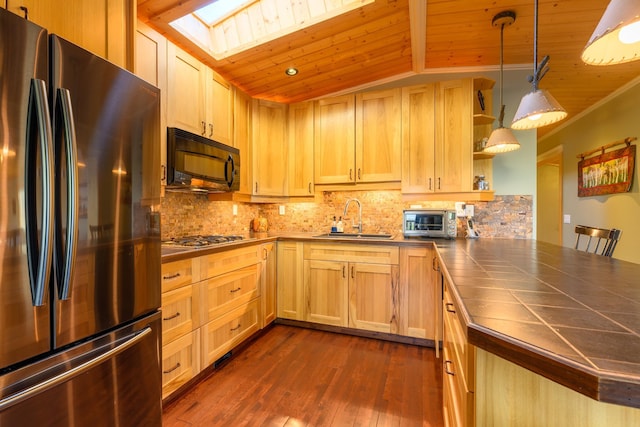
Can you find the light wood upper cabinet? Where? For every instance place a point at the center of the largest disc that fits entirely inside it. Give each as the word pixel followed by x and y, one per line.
pixel 437 137
pixel 418 138
pixel 378 136
pixel 186 91
pixel 151 65
pixel 334 149
pixel 218 108
pixel 104 27
pixel 199 100
pixel 270 150
pixel 301 127
pixel 454 136
pixel 242 137
pixel 358 139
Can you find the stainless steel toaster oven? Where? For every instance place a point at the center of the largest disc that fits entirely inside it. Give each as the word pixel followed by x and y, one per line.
pixel 429 223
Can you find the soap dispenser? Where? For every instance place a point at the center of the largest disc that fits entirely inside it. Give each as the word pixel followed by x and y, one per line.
pixel 334 228
pixel 340 226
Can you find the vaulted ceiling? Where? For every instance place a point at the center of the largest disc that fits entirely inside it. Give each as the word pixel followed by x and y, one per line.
pixel 389 40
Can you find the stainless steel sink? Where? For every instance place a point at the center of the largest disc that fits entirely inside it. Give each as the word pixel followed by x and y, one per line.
pixel 355 236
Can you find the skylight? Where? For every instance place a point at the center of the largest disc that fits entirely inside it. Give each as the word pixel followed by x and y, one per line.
pixel 226 27
pixel 215 11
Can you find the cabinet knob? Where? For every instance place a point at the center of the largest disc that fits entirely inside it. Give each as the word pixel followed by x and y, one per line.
pixel 309 188
pixel 204 127
pixel 450 307
pixel 430 184
pixel 350 174
pixel 210 130
pixel 359 175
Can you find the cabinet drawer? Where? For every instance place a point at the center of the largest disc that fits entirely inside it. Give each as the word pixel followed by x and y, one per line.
pixel 224 333
pixel 177 274
pixel 224 262
pixel 461 351
pixel 228 291
pixel 180 362
pixel 371 254
pixel 458 401
pixel 180 314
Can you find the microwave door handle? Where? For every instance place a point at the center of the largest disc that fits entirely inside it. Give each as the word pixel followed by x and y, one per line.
pixel 229 171
pixel 68 135
pixel 39 248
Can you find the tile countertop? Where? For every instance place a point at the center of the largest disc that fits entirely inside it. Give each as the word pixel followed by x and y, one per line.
pixel 567 315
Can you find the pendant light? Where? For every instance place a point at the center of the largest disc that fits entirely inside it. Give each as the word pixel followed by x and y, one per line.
pixel 537 108
pixel 502 139
pixel 616 39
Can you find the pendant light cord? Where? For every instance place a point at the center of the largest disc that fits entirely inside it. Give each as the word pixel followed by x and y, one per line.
pixel 501 117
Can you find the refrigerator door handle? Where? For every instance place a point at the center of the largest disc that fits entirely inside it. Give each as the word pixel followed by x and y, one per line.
pixel 39 140
pixel 45 385
pixel 65 257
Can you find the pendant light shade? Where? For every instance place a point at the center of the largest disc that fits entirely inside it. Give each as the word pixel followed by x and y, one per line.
pixel 616 39
pixel 502 139
pixel 537 108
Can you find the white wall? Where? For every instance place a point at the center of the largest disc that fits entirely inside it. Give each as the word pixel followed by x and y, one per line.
pixel 614 120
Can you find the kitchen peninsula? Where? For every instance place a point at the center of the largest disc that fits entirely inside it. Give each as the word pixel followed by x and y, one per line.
pixel 549 334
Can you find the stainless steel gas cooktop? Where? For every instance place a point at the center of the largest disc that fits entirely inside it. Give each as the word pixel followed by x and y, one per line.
pixel 200 241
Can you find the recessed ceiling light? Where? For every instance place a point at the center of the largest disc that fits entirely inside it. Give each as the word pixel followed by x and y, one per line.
pixel 291 71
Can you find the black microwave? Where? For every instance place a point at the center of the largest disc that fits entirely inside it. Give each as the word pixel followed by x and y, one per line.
pixel 196 163
pixel 430 223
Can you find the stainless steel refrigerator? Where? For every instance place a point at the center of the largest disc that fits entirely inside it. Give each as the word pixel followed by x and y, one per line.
pixel 79 236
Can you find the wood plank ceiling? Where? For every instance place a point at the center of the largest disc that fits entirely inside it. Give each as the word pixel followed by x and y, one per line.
pixel 394 39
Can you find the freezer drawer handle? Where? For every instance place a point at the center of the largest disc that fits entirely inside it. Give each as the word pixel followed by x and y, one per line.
pixel 74 372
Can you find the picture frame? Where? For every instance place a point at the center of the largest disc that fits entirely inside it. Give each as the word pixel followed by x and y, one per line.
pixel 607 173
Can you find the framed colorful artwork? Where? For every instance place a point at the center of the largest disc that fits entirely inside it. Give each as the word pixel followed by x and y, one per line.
pixel 607 173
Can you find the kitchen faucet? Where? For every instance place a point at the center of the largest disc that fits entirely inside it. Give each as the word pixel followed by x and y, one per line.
pixel 344 214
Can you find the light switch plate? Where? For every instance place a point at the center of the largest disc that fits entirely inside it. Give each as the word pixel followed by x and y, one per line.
pixel 567 219
pixel 460 209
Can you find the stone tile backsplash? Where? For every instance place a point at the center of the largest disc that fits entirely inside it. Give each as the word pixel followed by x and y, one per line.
pixel 187 214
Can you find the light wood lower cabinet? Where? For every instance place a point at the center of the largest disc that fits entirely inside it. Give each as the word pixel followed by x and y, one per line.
pixel 180 361
pixel 268 282
pixel 180 321
pixel 210 304
pixel 326 288
pixel 419 296
pixel 224 333
pixel 352 286
pixel 290 278
pixel 458 383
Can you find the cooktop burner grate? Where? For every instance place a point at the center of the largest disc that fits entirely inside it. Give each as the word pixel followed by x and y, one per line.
pixel 201 241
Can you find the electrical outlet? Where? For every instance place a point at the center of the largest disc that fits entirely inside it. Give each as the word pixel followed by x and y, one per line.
pixel 460 209
pixel 567 219
pixel 469 210
pixel 281 210
pixel 235 210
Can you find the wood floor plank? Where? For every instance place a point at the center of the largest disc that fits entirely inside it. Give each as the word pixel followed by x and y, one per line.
pixel 296 377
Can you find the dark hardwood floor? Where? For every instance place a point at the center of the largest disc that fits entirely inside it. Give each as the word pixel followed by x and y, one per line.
pixel 293 376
